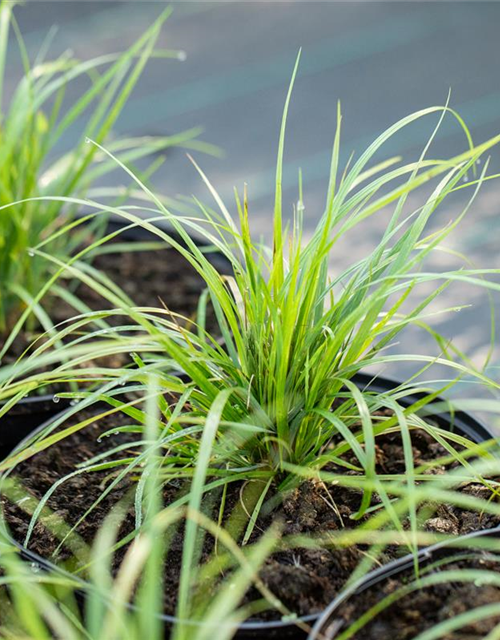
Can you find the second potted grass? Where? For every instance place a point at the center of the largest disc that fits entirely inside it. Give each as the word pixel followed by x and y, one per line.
pixel 37 292
pixel 33 123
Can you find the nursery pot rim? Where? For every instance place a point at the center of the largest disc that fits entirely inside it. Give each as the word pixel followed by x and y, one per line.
pixel 462 421
pixel 394 567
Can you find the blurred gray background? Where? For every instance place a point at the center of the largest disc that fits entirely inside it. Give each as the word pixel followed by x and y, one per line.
pixel 383 60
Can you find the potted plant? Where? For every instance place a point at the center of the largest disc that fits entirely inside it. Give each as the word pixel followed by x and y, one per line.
pixel 277 423
pixel 32 125
pixel 453 591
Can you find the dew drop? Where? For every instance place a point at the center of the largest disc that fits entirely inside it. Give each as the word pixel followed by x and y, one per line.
pixel 293 616
pixel 56 399
pixel 181 56
pixel 87 140
pixel 34 567
pixel 31 253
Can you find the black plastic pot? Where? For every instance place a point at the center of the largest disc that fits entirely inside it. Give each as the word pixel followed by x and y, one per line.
pixel 327 626
pixel 461 423
pixel 31 412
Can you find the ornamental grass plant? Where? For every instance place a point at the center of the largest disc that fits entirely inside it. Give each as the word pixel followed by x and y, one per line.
pixel 32 124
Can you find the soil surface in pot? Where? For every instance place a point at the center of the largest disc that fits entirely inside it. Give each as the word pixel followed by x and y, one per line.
pixel 305 580
pixel 422 609
pixel 158 278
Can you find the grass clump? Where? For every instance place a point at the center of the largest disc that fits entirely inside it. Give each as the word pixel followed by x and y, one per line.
pixel 31 165
pixel 294 335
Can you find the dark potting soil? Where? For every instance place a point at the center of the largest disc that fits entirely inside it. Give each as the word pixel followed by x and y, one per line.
pixel 159 278
pixel 304 579
pixel 423 608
